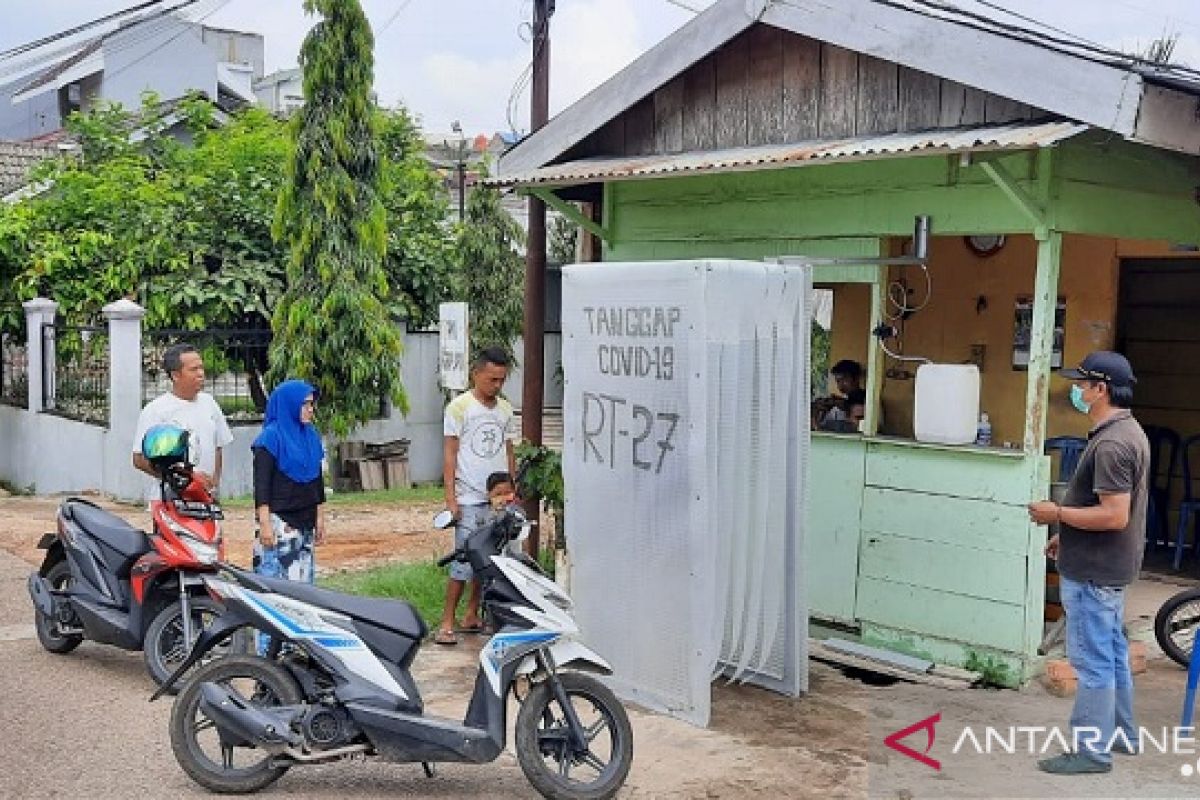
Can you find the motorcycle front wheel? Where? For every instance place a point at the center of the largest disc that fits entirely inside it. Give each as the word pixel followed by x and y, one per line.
pixel 197 743
pixel 1176 624
pixel 164 648
pixel 557 769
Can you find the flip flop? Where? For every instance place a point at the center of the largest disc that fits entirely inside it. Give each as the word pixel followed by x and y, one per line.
pixel 478 628
pixel 446 638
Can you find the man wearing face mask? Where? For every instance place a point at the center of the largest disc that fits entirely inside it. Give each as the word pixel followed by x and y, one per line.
pixel 1099 553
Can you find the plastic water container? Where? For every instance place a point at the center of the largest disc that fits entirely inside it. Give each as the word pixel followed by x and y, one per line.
pixel 983 437
pixel 947 403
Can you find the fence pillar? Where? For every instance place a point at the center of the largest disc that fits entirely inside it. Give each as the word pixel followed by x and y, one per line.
pixel 124 395
pixel 39 361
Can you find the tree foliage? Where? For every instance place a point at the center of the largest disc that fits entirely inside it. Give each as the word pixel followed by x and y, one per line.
pixel 420 245
pixel 332 326
pixel 562 237
pixel 184 230
pixel 491 271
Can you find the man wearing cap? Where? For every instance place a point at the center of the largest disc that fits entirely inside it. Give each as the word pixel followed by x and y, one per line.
pixel 1099 553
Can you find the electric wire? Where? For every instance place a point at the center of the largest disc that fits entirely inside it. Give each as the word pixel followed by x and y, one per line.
pixel 526 77
pixel 395 15
pixel 219 4
pixel 1075 45
pixel 903 310
pixel 154 25
pixel 26 47
pixel 980 22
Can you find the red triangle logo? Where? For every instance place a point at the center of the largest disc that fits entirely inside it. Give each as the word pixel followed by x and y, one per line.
pixel 926 725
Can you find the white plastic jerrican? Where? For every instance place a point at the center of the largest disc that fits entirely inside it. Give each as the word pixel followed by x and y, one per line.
pixel 947 403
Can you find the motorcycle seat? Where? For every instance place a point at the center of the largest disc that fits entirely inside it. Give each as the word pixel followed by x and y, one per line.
pixel 108 528
pixel 395 615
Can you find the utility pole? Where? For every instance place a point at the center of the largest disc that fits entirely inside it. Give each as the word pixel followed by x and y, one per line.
pixel 461 167
pixel 532 390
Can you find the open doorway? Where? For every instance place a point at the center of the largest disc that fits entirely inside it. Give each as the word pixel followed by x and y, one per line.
pixel 1157 330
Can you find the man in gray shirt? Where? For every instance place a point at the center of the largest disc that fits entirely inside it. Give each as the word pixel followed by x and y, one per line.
pixel 1099 553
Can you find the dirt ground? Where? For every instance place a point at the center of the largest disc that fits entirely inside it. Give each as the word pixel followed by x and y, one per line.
pixel 359 536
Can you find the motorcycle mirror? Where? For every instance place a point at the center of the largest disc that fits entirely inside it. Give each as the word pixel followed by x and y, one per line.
pixel 443 520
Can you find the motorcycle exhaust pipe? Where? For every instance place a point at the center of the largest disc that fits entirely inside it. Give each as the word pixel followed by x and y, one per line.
pixel 243 725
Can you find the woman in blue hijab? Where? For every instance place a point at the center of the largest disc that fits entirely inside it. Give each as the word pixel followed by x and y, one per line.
pixel 289 491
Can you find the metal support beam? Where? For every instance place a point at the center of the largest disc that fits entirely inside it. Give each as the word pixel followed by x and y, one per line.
pixel 1020 198
pixel 569 211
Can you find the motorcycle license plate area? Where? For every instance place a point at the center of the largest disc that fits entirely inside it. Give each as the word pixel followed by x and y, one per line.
pixel 685 450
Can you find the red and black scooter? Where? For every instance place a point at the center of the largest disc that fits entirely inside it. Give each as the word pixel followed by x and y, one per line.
pixel 104 580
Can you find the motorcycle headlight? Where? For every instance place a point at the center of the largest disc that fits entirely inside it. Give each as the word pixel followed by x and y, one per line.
pixel 204 552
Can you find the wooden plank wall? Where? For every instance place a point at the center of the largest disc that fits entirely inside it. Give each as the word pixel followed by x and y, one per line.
pixel 770 86
pixel 945 546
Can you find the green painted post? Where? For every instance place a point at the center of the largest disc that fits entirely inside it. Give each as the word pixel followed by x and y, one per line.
pixel 1041 345
pixel 875 362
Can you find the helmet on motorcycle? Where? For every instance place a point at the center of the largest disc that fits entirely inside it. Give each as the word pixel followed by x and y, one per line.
pixel 165 446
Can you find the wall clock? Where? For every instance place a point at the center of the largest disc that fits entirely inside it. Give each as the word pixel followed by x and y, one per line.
pixel 984 244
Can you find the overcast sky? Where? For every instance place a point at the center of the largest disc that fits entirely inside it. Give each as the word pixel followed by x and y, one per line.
pixel 459 59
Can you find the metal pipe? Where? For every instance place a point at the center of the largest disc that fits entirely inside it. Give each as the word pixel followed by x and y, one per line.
pixel 921 238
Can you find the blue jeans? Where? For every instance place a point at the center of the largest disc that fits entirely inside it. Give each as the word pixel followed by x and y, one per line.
pixel 1099 653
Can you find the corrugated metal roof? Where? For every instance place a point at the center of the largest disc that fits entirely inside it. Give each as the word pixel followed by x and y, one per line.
pixel 1015 136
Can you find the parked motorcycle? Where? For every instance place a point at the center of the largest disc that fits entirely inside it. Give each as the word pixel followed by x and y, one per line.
pixel 1176 623
pixel 335 682
pixel 104 580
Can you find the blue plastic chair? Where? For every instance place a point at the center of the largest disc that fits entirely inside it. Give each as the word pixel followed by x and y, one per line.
pixel 1164 443
pixel 1190 505
pixel 1070 449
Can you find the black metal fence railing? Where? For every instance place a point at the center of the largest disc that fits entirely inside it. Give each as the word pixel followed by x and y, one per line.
pixel 78 385
pixel 234 363
pixel 14 370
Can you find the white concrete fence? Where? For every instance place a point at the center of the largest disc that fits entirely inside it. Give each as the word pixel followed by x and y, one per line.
pixel 49 453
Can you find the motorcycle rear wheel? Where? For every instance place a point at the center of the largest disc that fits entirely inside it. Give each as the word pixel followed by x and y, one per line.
pixel 59 578
pixel 193 736
pixel 545 755
pixel 1176 625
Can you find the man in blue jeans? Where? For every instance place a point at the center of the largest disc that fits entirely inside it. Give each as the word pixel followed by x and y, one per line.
pixel 1099 553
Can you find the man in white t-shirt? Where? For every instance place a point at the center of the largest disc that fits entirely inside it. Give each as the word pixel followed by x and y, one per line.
pixel 478 431
pixel 191 409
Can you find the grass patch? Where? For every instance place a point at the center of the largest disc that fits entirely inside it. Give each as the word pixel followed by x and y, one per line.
pixel 17 491
pixel 417 495
pixel 421 583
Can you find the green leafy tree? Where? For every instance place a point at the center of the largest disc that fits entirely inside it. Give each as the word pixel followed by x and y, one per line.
pixel 185 231
pixel 420 243
pixel 491 271
pixel 332 326
pixel 562 238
